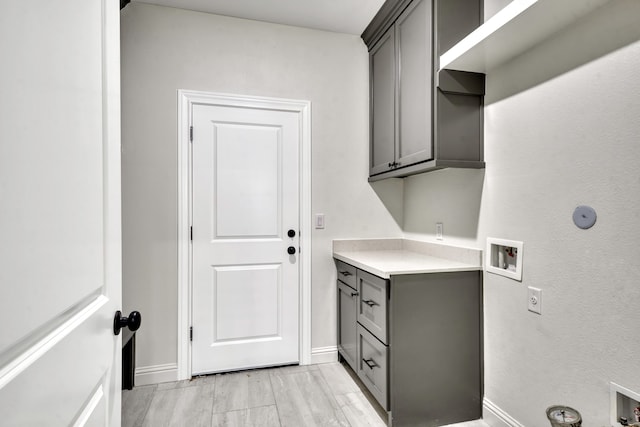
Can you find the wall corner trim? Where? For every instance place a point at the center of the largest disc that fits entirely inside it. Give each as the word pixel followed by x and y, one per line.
pixel 494 416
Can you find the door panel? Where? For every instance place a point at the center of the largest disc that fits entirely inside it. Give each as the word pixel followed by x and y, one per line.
pixel 247 153
pixel 69 254
pixel 60 258
pixel 246 303
pixel 245 198
pixel 64 366
pixel 383 87
pixel 414 84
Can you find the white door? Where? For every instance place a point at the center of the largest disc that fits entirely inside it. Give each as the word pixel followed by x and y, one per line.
pixel 59 213
pixel 245 201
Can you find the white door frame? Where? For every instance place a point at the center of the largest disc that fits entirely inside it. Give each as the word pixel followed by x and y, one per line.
pixel 186 100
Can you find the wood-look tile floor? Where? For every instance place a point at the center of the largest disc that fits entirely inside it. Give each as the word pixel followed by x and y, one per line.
pixel 293 396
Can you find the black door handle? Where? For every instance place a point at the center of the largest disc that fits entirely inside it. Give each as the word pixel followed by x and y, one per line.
pixel 291 233
pixel 132 322
pixel 291 250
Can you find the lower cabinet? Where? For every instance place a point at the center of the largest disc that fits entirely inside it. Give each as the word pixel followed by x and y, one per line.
pixel 415 341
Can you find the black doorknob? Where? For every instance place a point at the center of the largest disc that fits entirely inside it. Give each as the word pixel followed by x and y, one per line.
pixel 291 233
pixel 132 322
pixel 291 250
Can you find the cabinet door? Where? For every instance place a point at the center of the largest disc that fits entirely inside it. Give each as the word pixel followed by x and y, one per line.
pixel 372 304
pixel 347 302
pixel 382 79
pixel 373 367
pixel 415 83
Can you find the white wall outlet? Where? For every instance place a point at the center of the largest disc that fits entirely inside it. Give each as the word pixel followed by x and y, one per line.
pixel 534 298
pixel 319 221
pixel 439 230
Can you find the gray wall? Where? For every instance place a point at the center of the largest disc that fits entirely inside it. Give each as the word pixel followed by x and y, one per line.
pixel 165 49
pixel 562 128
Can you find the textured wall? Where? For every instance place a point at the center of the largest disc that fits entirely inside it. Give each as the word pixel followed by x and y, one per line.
pixel 562 128
pixel 165 49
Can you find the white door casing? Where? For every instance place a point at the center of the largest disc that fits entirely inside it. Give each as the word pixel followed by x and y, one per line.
pixel 60 258
pixel 231 252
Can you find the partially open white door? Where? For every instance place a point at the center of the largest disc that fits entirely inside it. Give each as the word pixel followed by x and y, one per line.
pixel 60 257
pixel 246 216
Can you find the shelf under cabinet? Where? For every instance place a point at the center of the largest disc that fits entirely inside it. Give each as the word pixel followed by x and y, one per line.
pixel 521 25
pixel 430 165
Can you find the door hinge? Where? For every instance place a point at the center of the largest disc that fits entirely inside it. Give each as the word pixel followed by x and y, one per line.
pixel 191 233
pixel 191 133
pixel 191 333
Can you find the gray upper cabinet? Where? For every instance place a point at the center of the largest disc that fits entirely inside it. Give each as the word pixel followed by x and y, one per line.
pixel 417 123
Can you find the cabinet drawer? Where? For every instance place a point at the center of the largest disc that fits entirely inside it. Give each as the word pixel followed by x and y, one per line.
pixel 372 304
pixel 346 273
pixel 372 365
pixel 347 303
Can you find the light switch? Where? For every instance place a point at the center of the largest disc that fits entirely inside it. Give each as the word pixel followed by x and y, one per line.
pixel 319 221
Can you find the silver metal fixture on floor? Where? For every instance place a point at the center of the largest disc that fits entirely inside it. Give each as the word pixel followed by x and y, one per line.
pixel 563 416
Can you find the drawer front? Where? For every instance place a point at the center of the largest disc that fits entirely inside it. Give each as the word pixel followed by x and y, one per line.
pixel 372 365
pixel 347 304
pixel 372 304
pixel 346 273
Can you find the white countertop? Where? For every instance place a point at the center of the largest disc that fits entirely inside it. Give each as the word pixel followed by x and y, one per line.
pixel 406 257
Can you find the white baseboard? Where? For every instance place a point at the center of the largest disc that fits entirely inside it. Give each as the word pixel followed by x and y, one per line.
pixel 494 416
pixel 324 355
pixel 155 374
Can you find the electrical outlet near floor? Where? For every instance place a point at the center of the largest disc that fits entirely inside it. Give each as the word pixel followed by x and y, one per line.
pixel 534 298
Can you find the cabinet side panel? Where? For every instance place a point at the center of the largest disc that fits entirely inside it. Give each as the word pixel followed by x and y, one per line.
pixel 459 127
pixel 435 346
pixel 455 20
